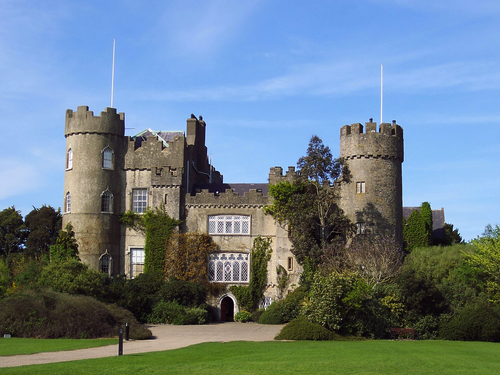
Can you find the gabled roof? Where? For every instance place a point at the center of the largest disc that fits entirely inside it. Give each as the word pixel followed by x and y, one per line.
pixel 164 136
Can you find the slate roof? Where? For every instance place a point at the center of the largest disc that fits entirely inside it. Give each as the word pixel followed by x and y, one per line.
pixel 164 136
pixel 237 188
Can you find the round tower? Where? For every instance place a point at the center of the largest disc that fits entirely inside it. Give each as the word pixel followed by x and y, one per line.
pixel 373 199
pixel 95 147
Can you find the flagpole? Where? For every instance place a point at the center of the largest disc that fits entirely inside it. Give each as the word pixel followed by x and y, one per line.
pixel 381 90
pixel 113 74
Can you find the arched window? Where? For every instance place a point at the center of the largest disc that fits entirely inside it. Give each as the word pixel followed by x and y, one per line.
pixel 69 159
pixel 107 201
pixel 228 267
pixel 107 158
pixel 105 263
pixel 67 202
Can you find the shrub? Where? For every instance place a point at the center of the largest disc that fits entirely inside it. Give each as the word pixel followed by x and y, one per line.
pixel 185 293
pixel 271 316
pixel 140 294
pixel 290 307
pixel 48 314
pixel 302 329
pixel 170 312
pixel 243 316
pixel 479 321
pixel 257 314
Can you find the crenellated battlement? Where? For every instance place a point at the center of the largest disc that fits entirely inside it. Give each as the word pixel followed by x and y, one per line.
pixel 276 175
pixel 83 121
pixel 386 142
pixel 253 197
pixel 371 128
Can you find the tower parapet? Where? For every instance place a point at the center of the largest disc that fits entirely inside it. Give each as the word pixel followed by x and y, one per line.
pixel 83 121
pixel 276 175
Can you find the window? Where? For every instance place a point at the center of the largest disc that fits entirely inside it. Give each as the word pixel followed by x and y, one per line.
pixel 360 187
pixel 228 224
pixel 69 159
pixel 360 228
pixel 107 202
pixel 105 263
pixel 136 262
pixel 107 158
pixel 290 264
pixel 229 267
pixel 67 202
pixel 139 200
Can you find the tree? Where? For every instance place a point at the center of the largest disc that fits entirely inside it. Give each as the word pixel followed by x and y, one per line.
pixel 452 235
pixel 486 258
pixel 65 247
pixel 43 225
pixel 309 205
pixel 376 258
pixel 426 212
pixel 12 231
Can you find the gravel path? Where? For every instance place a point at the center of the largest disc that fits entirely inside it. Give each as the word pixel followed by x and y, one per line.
pixel 165 337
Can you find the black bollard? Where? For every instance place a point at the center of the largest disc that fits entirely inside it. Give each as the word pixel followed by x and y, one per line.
pixel 127 331
pixel 120 342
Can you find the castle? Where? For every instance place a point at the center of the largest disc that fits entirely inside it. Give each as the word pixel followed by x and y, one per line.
pixel 108 173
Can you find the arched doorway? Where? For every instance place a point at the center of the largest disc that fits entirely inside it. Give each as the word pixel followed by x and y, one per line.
pixel 227 309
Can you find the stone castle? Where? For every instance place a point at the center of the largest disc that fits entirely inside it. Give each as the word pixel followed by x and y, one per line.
pixel 108 173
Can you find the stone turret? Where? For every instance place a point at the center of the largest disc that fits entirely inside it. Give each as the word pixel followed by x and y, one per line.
pixel 95 147
pixel 374 197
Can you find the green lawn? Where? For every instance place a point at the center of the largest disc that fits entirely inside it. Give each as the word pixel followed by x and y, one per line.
pixel 276 358
pixel 15 346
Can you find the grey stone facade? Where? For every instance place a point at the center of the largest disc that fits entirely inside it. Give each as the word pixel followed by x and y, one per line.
pixel 108 173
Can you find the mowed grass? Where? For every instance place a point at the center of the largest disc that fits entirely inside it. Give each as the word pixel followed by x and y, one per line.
pixel 305 357
pixel 15 346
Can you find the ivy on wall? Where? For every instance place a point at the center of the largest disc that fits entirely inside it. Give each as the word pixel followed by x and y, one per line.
pixel 157 227
pixel 248 297
pixel 186 256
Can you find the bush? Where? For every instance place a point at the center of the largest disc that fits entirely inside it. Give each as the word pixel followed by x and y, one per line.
pixel 272 315
pixel 243 316
pixel 290 307
pixel 302 329
pixel 140 294
pixel 479 321
pixel 257 314
pixel 185 293
pixel 48 314
pixel 170 312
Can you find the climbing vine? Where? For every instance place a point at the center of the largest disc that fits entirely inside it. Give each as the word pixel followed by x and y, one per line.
pixel 186 256
pixel 157 226
pixel 248 297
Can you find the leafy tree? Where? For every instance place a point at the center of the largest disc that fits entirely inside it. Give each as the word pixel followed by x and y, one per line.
pixel 426 212
pixel 486 258
pixel 65 247
pixel 452 235
pixel 12 231
pixel 309 205
pixel 43 225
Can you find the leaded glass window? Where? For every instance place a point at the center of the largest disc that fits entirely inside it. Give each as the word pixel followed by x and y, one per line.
pixel 106 202
pixel 228 224
pixel 228 267
pixel 107 158
pixel 139 200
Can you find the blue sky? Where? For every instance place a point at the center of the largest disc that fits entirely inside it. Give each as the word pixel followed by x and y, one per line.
pixel 266 76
